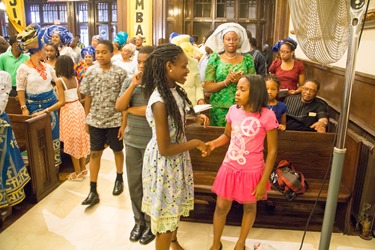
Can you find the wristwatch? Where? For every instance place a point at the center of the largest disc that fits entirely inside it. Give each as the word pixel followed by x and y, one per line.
pixel 23 107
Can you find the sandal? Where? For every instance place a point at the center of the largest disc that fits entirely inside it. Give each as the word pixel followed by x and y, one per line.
pixel 74 177
pixel 84 173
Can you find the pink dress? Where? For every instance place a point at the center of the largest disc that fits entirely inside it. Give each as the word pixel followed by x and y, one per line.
pixel 72 125
pixel 243 164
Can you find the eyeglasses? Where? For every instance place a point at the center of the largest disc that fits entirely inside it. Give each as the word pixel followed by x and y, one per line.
pixel 284 52
pixel 309 90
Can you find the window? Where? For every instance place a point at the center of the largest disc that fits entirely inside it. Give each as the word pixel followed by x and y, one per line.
pixel 254 15
pixel 46 14
pixel 92 16
pixel 225 9
pixel 54 12
pixel 247 9
pixel 102 12
pixel 106 25
pixel 83 22
pixel 34 13
pixel 202 8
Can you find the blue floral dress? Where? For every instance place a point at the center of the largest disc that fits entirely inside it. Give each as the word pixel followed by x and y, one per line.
pixel 168 191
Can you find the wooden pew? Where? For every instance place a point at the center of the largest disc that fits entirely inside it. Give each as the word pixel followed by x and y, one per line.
pixel 34 135
pixel 310 153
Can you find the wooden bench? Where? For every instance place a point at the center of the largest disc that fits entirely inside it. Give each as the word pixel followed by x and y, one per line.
pixel 310 153
pixel 34 135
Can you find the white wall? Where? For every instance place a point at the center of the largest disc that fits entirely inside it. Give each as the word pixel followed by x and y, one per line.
pixel 365 61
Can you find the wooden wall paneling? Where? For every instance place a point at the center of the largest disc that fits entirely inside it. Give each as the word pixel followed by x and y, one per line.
pixel 72 18
pixel 122 10
pixel 159 16
pixel 281 20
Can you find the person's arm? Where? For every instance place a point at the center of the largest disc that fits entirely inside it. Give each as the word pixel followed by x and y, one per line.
pixel 301 78
pixel 5 88
pixel 166 148
pixel 282 125
pixel 60 99
pixel 222 139
pixel 199 93
pixel 272 144
pixel 211 85
pixel 139 110
pixel 201 119
pixel 123 101
pixel 87 107
pixel 120 134
pixel 320 125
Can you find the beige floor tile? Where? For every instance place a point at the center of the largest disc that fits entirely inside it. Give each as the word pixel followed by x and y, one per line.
pixel 60 222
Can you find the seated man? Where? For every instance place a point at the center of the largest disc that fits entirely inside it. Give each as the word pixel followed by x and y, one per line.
pixel 305 111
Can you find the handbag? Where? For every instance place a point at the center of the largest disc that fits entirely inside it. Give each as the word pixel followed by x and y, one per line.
pixel 288 180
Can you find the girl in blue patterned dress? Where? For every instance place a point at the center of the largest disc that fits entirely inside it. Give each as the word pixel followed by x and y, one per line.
pixel 168 191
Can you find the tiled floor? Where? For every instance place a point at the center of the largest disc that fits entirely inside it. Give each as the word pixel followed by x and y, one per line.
pixel 60 222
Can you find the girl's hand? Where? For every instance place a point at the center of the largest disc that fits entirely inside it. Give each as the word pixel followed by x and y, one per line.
pixel 259 191
pixel 203 120
pixel 203 148
pixel 25 112
pixel 210 147
pixel 201 101
pixel 137 78
pixel 281 127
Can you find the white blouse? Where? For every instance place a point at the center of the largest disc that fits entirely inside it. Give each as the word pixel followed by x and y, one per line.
pixel 29 80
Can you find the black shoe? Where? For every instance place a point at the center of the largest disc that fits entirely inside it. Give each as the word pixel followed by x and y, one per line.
pixel 136 232
pixel 118 188
pixel 147 236
pixel 92 199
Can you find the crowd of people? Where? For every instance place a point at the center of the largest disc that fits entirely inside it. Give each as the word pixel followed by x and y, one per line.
pixel 143 97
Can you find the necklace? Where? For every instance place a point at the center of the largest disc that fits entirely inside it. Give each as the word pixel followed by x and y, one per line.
pixel 41 71
pixel 231 57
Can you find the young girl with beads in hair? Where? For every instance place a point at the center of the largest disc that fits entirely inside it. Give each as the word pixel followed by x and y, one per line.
pixel 279 108
pixel 243 175
pixel 168 191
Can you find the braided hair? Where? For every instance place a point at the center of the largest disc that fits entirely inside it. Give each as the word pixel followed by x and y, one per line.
pixel 154 76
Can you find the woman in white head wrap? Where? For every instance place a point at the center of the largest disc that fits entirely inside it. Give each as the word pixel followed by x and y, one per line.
pixel 225 67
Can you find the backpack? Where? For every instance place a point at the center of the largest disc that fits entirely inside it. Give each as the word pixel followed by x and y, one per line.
pixel 288 180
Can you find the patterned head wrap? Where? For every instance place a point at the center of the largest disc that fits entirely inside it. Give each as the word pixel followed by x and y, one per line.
pixel 290 41
pixel 30 39
pixel 89 50
pixel 174 34
pixel 121 38
pixel 97 37
pixel 216 40
pixel 184 42
pixel 65 35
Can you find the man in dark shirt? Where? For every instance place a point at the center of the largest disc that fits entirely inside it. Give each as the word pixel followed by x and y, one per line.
pixel 258 57
pixel 305 111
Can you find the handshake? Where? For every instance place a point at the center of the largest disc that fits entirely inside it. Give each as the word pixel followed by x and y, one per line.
pixel 205 148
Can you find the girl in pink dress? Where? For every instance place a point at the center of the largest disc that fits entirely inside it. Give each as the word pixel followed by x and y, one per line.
pixel 243 175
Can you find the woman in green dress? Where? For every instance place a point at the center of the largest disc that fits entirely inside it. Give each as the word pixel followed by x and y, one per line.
pixel 225 67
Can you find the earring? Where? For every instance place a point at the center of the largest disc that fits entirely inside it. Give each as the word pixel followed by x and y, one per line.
pixel 170 70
